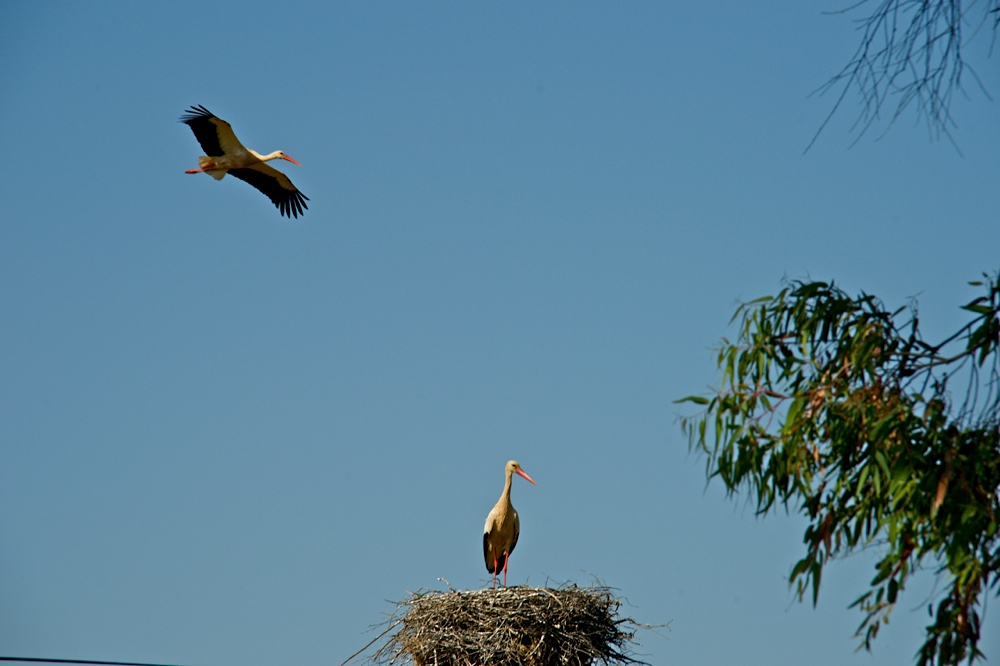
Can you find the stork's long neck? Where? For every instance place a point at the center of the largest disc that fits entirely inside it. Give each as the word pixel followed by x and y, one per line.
pixel 505 495
pixel 265 158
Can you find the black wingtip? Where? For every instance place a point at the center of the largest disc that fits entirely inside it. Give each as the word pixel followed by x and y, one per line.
pixel 196 113
pixel 486 552
pixel 294 205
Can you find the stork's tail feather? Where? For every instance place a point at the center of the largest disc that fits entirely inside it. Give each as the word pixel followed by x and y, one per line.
pixel 205 162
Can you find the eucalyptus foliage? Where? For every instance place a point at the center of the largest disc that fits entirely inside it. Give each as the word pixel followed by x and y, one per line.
pixel 834 406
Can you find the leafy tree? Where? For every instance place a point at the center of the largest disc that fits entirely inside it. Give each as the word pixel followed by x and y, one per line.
pixel 838 408
pixel 911 53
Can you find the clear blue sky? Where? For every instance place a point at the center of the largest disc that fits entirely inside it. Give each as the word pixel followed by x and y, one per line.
pixel 229 438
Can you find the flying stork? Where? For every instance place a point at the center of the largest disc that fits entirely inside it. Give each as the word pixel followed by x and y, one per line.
pixel 225 154
pixel 502 528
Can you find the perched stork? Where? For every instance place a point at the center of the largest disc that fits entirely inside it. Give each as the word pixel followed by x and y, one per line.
pixel 225 154
pixel 502 528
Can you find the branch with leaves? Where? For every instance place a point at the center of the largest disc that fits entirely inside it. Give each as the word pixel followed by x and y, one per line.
pixel 834 406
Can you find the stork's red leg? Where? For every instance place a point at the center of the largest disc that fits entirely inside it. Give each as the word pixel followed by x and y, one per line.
pixel 506 559
pixel 210 165
pixel 495 571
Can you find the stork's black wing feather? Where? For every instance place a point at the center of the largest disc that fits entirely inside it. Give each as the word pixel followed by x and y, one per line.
pixel 290 202
pixel 199 119
pixel 486 552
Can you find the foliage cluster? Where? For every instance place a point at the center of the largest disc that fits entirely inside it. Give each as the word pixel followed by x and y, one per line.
pixel 836 407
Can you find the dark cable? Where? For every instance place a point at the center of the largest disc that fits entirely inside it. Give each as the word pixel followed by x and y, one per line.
pixel 81 661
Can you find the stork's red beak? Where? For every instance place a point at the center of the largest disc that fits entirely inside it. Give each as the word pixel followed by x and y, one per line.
pixel 292 161
pixel 523 474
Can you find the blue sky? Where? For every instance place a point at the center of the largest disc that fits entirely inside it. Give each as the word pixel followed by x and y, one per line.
pixel 229 438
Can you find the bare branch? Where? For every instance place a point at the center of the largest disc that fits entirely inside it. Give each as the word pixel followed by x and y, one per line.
pixel 911 56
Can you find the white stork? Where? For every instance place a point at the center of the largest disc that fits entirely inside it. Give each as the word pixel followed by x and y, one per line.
pixel 225 154
pixel 502 528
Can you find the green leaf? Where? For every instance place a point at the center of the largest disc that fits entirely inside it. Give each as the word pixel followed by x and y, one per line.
pixel 817 573
pixel 794 409
pixel 862 477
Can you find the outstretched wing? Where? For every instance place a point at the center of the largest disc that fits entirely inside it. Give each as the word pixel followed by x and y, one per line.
pixel 215 135
pixel 276 186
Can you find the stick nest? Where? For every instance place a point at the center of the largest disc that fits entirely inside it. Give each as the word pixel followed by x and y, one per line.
pixel 522 626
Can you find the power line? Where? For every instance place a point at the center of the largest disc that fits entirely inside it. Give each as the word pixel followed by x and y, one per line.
pixel 81 661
